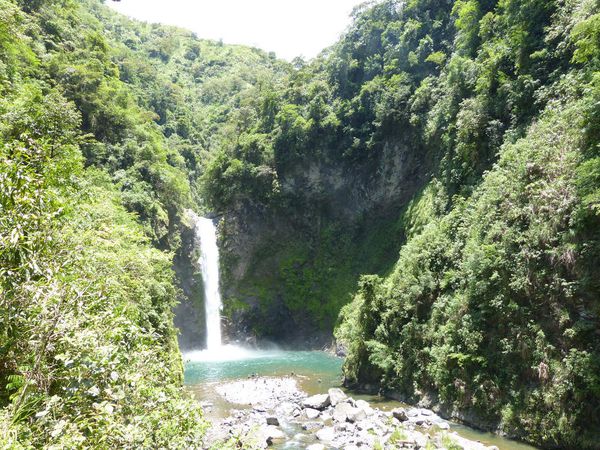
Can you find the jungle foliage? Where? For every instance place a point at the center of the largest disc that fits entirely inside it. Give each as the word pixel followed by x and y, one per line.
pixel 99 145
pixel 492 310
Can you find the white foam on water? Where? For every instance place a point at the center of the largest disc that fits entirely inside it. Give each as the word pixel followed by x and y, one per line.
pixel 226 353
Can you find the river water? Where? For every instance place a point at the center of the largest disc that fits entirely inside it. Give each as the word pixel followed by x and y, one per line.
pixel 316 373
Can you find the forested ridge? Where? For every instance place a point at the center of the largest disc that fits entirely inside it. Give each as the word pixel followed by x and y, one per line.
pixel 99 149
pixel 450 147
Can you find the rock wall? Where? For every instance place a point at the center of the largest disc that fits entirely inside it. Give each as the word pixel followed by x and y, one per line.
pixel 289 266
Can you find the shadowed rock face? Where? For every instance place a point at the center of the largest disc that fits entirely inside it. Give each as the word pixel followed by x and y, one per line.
pixel 263 246
pixel 189 312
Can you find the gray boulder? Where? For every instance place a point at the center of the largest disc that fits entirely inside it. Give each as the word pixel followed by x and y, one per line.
pixel 356 415
pixel 271 433
pixel 400 414
pixel 326 434
pixel 320 402
pixel 336 396
pixel 311 413
pixel 271 420
pixel 341 411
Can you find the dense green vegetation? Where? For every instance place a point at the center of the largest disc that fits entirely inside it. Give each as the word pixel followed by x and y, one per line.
pixel 492 309
pixel 103 126
pixel 442 84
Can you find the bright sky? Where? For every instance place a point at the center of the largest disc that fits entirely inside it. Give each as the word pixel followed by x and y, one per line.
pixel 290 28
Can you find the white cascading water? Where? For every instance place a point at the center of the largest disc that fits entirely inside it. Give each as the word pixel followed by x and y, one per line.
pixel 206 234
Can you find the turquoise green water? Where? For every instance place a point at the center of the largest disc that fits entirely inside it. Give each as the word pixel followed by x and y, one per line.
pixel 313 365
pixel 316 372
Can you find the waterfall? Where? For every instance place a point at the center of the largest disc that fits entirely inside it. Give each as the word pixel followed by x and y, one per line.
pixel 206 235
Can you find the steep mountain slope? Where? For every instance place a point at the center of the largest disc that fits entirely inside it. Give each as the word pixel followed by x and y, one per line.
pixel 492 311
pixel 103 125
pixel 414 102
pixel 467 129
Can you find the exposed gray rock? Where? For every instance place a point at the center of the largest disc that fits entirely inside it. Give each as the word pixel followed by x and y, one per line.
pixel 336 396
pixel 355 425
pixel 316 447
pixel 356 415
pixel 412 412
pixel 362 404
pixel 311 413
pixel 326 434
pixel 271 420
pixel 400 414
pixel 309 426
pixel 319 401
pixel 443 425
pixel 341 411
pixel 271 433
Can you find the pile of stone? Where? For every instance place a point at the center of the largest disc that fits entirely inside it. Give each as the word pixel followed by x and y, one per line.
pixel 334 421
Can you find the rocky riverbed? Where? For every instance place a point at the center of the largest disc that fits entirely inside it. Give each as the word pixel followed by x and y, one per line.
pixel 275 412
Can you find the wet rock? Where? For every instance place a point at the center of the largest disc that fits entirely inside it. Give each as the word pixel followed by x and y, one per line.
pixel 271 434
pixel 311 413
pixel 310 426
pixel 319 401
pixel 326 434
pixel 273 421
pixel 399 414
pixel 336 396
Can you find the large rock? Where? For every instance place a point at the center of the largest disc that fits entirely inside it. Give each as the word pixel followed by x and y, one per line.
pixel 320 402
pixel 271 420
pixel 271 433
pixel 341 411
pixel 311 413
pixel 336 396
pixel 361 404
pixel 400 414
pixel 326 434
pixel 356 415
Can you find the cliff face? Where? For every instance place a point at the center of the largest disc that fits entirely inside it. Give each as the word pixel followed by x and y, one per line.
pixel 189 311
pixel 288 268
